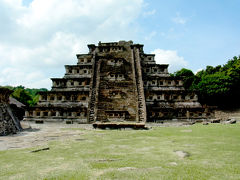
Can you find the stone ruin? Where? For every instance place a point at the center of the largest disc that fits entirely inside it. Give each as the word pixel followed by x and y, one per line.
pixel 9 123
pixel 116 83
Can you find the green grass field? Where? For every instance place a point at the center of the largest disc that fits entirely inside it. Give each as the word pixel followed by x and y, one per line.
pixel 213 153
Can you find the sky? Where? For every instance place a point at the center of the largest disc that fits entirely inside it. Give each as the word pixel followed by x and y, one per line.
pixel 39 37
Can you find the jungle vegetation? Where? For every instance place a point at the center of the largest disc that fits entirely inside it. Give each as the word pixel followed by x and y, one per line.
pixel 27 96
pixel 218 85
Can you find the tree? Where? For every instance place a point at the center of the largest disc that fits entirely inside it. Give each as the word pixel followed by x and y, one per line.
pixel 187 76
pixel 214 88
pixel 22 95
pixel 218 85
pixel 27 96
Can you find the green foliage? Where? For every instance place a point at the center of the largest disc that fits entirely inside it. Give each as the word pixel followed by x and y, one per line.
pixel 187 76
pixel 214 88
pixel 22 95
pixel 184 73
pixel 218 85
pixel 27 96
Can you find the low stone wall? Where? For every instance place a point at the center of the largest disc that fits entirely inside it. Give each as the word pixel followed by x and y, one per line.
pixel 228 114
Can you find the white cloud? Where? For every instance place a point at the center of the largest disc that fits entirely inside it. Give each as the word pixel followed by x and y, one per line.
pixel 149 13
pixel 179 19
pixel 37 40
pixel 17 76
pixel 170 57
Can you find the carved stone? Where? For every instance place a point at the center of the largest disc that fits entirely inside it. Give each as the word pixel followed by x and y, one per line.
pixel 9 123
pixel 117 83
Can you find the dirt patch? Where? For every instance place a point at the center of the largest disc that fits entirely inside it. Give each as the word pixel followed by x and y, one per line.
pixel 189 145
pixel 173 163
pixel 182 154
pixel 186 130
pixel 41 134
pixel 101 172
pixel 127 168
pixel 140 169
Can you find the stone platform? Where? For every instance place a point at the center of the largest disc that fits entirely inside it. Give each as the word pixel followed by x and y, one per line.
pixel 111 125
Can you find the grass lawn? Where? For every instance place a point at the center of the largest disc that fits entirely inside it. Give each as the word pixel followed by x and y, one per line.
pixel 213 152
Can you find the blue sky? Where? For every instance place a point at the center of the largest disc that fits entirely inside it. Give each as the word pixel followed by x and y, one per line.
pixel 38 37
pixel 208 35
